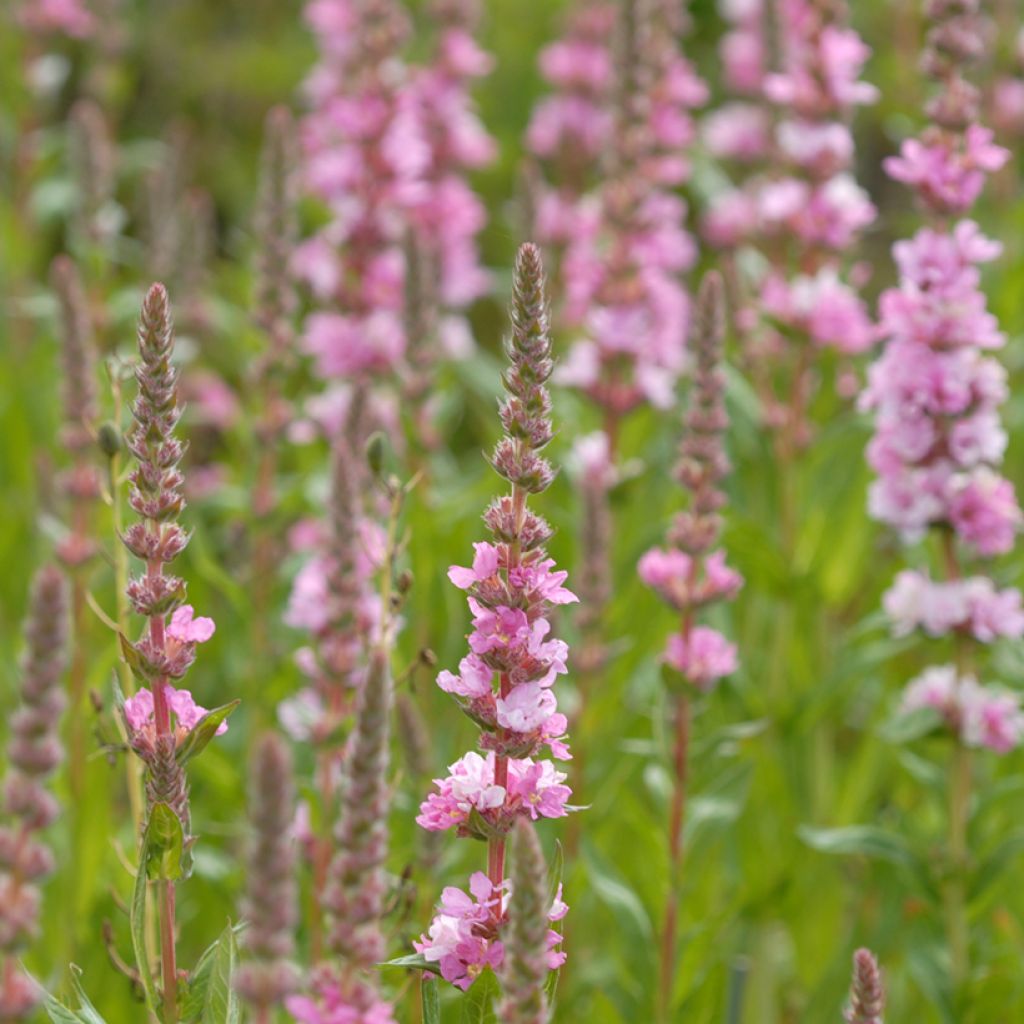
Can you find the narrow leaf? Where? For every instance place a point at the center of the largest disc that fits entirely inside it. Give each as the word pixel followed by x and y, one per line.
pixel 221 1003
pixel 204 731
pixel 431 1000
pixel 414 961
pixel 138 928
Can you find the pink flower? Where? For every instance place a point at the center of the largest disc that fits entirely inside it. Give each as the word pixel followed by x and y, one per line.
pixel 526 708
pixel 469 786
pixel 485 565
pixel 474 678
pixel 138 713
pixel 538 787
pixel 703 658
pixel 462 938
pixel 948 179
pixel 70 17
pixel 985 512
pixel 187 630
pixel 991 717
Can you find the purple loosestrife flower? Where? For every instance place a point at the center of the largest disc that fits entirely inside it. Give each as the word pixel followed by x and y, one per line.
pixel 525 967
pixel 803 211
pixel 504 683
pixel 691 574
pixel 164 724
pixel 570 128
pixel 276 229
pixel 271 903
pixel 387 149
pixel 71 18
pixel 93 167
pixel 867 996
pixel 332 597
pixel 355 891
pixel 621 270
pixel 33 752
pixel 81 481
pixel 935 392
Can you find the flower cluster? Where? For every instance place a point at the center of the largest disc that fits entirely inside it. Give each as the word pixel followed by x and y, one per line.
pixel 271 905
pixel 159 717
pixel 80 483
pixel 804 211
pixel 71 18
pixel 333 599
pixel 570 128
pixel 973 605
pixel 386 149
pixel 935 392
pixel 505 683
pixel 981 716
pixel 463 938
pixel 621 269
pixel 354 891
pixel 867 993
pixel 27 806
pixel 690 574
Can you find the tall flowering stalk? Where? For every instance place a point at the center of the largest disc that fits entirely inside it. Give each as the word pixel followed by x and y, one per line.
pixel 271 904
pixel 867 994
pixel 689 575
pixel 276 304
pixel 80 482
pixel 34 751
pixel 621 269
pixel 165 726
pixel 802 214
pixel 935 393
pixel 569 129
pixel 387 146
pixel 504 683
pixel 345 987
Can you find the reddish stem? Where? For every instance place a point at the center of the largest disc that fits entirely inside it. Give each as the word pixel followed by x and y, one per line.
pixel 496 847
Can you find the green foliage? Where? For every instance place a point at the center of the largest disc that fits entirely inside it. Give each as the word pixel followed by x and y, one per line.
pixel 816 817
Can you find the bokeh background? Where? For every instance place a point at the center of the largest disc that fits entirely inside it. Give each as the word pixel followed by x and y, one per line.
pixel 813 829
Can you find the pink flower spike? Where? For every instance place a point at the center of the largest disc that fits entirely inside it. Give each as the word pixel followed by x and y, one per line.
pixel 187 630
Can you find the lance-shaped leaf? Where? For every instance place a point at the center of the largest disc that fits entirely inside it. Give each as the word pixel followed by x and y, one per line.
pixel 204 731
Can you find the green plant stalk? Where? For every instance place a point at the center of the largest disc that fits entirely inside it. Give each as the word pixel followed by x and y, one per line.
pixel 957 930
pixel 955 893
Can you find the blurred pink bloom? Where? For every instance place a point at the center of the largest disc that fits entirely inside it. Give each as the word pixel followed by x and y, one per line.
pixel 703 657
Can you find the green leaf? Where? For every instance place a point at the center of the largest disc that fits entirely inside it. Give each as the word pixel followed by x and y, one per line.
pixel 414 961
pixel 204 731
pixel 193 999
pixel 165 839
pixel 138 665
pixel 478 1002
pixel 86 1012
pixel 865 840
pixel 138 928
pixel 221 1005
pixel 431 1000
pixel 904 728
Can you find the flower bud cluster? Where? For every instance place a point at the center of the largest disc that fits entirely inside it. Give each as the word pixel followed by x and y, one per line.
pixel 691 574
pixel 26 804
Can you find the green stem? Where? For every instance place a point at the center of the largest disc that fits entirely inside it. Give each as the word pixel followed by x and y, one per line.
pixel 957 930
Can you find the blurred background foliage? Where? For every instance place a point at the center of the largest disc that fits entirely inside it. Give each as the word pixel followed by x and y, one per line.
pixel 812 828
